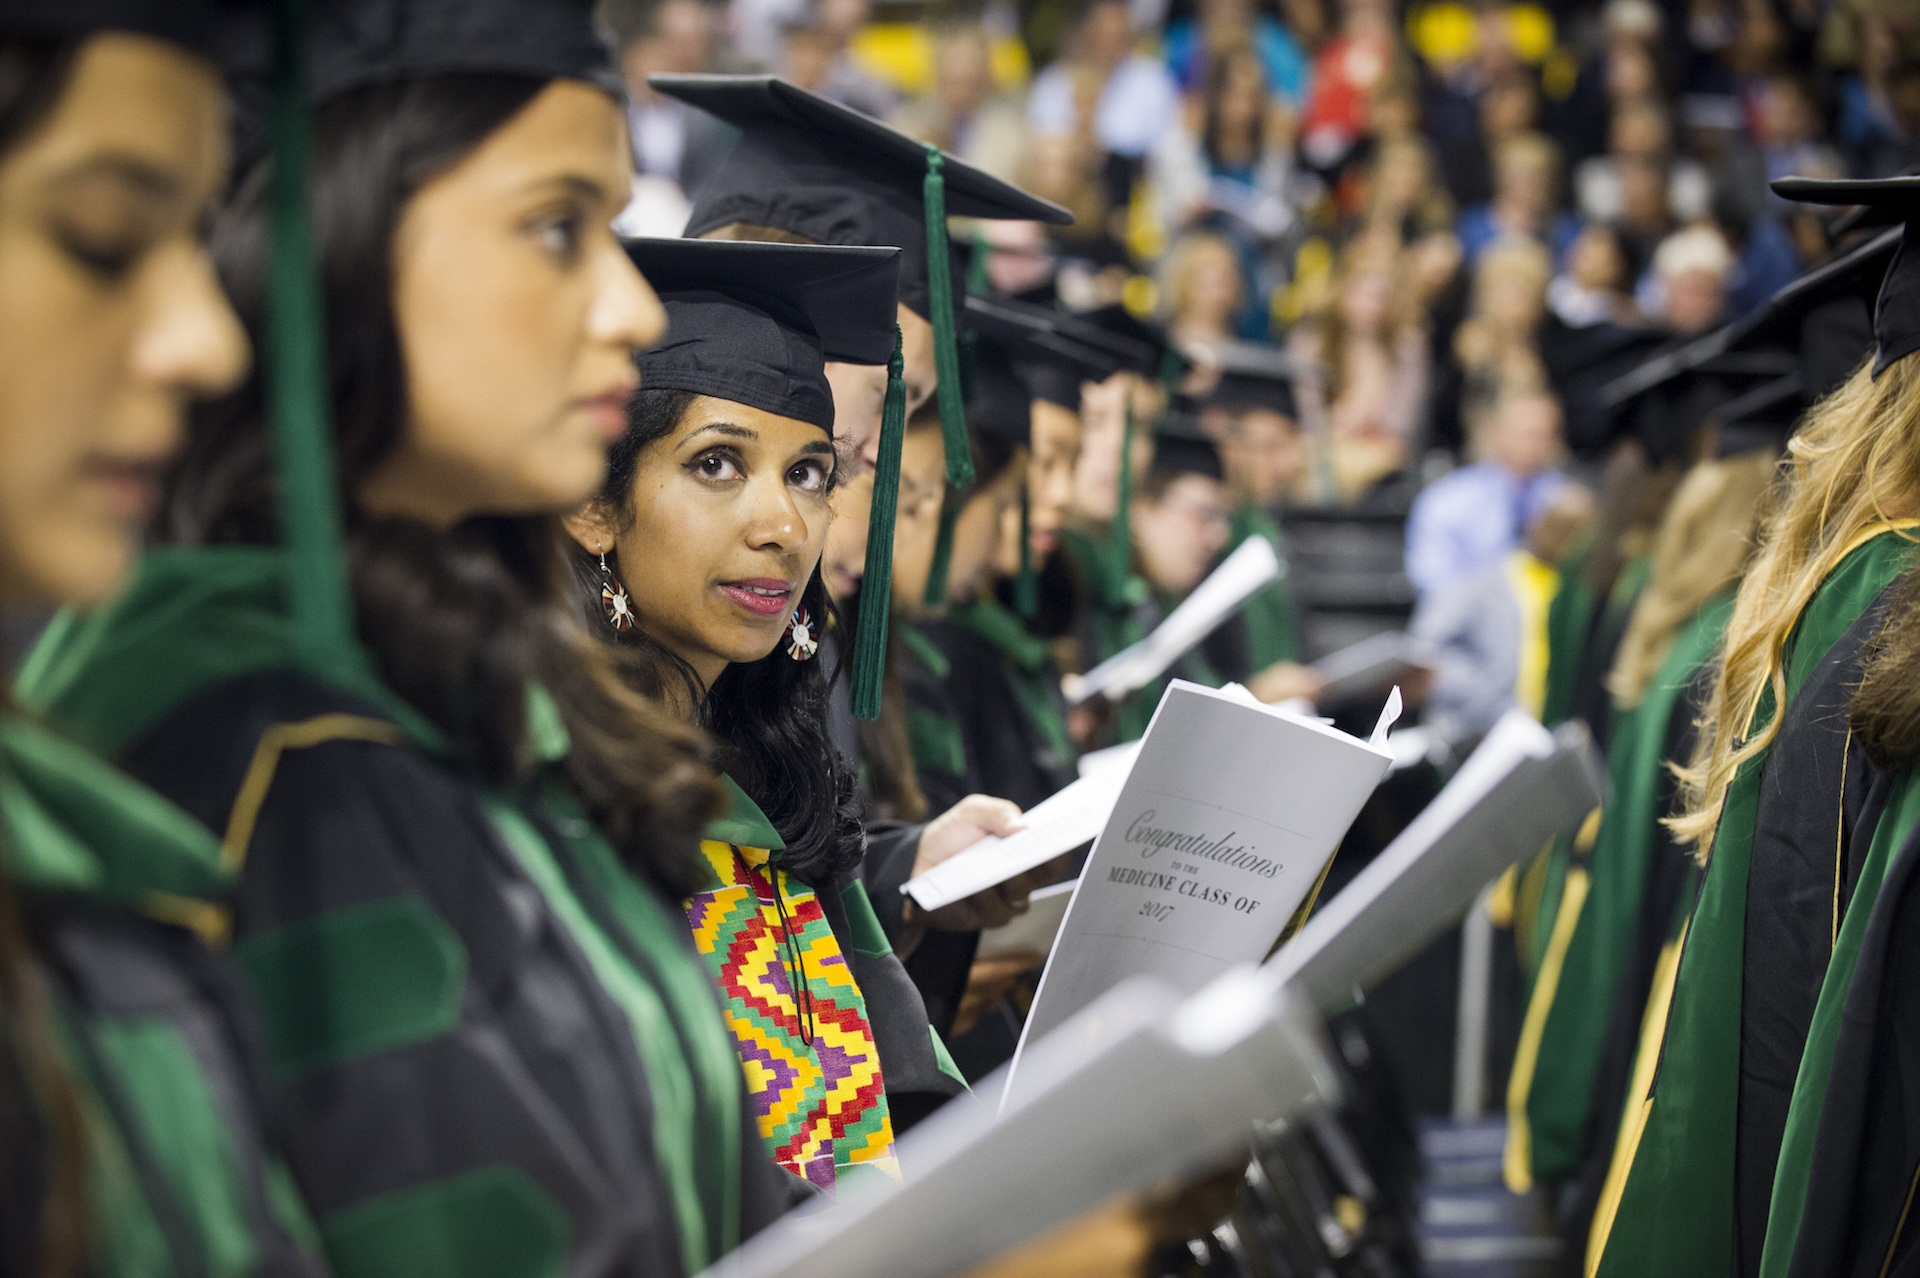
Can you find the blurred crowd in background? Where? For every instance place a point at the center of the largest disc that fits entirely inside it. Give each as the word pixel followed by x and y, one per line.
pixel 1448 216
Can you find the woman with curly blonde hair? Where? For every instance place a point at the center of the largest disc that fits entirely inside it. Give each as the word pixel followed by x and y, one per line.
pixel 1781 806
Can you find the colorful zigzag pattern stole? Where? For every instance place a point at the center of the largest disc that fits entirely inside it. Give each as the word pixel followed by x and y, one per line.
pixel 821 1106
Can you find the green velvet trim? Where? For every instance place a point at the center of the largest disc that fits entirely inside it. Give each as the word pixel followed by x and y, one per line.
pixel 935 742
pixel 75 824
pixel 946 355
pixel 491 1223
pixel 869 938
pixel 876 592
pixel 927 651
pixel 354 982
pixel 180 1122
pixel 944 1059
pixel 744 824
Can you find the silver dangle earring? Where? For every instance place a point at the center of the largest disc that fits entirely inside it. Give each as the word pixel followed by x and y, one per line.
pixel 801 644
pixel 614 596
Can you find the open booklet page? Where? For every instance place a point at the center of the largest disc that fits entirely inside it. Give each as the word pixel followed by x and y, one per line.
pixel 1140 1089
pixel 1225 821
pixel 1521 787
pixel 1059 824
pixel 1251 566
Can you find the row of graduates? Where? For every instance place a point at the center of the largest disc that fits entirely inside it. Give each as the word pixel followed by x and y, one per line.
pixel 1713 1072
pixel 428 856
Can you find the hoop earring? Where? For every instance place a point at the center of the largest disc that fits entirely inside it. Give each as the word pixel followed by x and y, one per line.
pixel 801 644
pixel 613 595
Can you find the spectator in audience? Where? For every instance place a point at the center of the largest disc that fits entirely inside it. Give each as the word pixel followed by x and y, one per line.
pixel 1509 107
pixel 1193 43
pixel 674 146
pixel 1468 520
pixel 819 56
pixel 1346 71
pixel 1498 345
pixel 1373 350
pixel 1125 99
pixel 1641 135
pixel 1205 290
pixel 1403 195
pixel 1596 285
pixel 1525 200
pixel 1790 130
pixel 964 113
pixel 1232 158
pixel 1488 627
pixel 1687 288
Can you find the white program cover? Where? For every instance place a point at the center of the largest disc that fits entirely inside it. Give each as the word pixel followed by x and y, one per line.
pixel 1523 786
pixel 1140 1089
pixel 1223 825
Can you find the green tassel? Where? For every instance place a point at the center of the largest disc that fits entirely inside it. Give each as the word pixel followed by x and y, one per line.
pixel 876 584
pixel 1026 587
pixel 1120 540
pixel 978 282
pixel 946 355
pixel 320 598
pixel 936 592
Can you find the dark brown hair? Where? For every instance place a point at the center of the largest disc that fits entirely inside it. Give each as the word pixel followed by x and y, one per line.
pixel 461 622
pixel 34 1086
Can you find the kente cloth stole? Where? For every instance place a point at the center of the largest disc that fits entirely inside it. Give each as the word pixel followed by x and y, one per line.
pixel 821 1105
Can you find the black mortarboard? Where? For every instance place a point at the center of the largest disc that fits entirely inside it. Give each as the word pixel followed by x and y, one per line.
pixel 205 27
pixel 999 402
pixel 1033 340
pixel 1181 449
pixel 1813 331
pixel 353 43
pixel 812 167
pixel 1253 375
pixel 1889 201
pixel 1140 346
pixel 757 323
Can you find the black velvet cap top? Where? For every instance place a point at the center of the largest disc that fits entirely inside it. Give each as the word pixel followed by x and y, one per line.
pixel 222 31
pixel 1031 341
pixel 353 43
pixel 1253 375
pixel 1888 201
pixel 757 323
pixel 1182 448
pixel 815 168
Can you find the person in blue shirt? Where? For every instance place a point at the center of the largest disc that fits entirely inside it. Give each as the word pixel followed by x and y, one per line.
pixel 1471 518
pixel 1225 24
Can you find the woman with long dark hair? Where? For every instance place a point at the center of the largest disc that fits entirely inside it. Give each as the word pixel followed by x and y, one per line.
pixel 460 835
pixel 131 1136
pixel 702 555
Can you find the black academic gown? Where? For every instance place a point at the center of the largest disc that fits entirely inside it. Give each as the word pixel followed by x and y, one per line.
pixel 1858 1221
pixel 1817 791
pixel 493 1059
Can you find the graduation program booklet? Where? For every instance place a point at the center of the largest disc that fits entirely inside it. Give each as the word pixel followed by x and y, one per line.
pixel 1251 566
pixel 1225 821
pixel 1140 1089
pixel 1521 787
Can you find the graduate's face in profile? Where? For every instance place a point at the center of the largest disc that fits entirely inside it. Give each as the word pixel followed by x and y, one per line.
pixel 916 358
pixel 1056 451
pixel 977 533
pixel 859 401
pixel 1096 476
pixel 519 315
pixel 844 562
pixel 727 522
pixel 916 524
pixel 111 320
pixel 1178 534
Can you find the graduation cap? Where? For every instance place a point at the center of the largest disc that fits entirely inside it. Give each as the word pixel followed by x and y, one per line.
pixel 1037 342
pixel 812 167
pixel 1183 449
pixel 757 324
pixel 1886 202
pixel 354 43
pixel 1253 375
pixel 204 27
pixel 1808 337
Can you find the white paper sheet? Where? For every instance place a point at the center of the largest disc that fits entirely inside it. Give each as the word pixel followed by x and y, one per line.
pixel 1222 827
pixel 1060 824
pixel 1367 666
pixel 1251 566
pixel 1033 932
pixel 1140 1089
